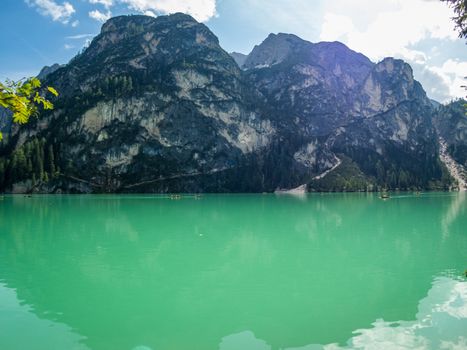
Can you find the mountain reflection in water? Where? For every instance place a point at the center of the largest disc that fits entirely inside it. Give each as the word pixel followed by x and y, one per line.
pixel 441 324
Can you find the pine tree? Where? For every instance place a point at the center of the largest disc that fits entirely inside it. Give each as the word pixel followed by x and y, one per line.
pixel 38 159
pixel 380 172
pixel 51 160
pixel 2 172
pixel 20 164
pixel 124 84
pixel 29 165
pixel 403 179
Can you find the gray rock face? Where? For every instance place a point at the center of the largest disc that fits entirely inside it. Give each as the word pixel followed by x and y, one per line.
pixel 451 122
pixel 341 103
pixel 275 49
pixel 156 105
pixel 49 70
pixel 150 99
pixel 239 58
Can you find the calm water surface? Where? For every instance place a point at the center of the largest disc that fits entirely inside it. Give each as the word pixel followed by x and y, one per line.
pixel 233 272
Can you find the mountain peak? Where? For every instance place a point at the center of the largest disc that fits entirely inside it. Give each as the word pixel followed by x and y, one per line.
pixel 125 22
pixel 337 57
pixel 45 71
pixel 396 69
pixel 389 64
pixel 238 57
pixel 273 50
pixel 335 47
pixel 280 37
pixel 138 36
pixel 137 45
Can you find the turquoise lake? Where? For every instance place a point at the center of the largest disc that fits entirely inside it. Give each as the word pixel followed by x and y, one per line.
pixel 233 272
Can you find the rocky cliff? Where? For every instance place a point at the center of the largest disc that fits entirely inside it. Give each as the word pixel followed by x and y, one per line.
pixel 156 105
pixel 336 104
pixel 451 121
pixel 451 124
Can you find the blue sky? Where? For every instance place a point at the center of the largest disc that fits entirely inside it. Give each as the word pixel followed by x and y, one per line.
pixel 35 33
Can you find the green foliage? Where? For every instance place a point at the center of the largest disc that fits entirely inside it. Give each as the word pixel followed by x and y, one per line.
pixel 35 160
pixel 347 177
pixel 397 168
pixel 465 104
pixel 460 19
pixel 135 29
pixel 24 98
pixel 116 86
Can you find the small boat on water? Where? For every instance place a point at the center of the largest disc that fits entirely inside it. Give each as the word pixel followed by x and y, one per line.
pixel 384 195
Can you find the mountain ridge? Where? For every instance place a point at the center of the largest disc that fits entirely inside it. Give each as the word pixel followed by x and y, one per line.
pixel 157 105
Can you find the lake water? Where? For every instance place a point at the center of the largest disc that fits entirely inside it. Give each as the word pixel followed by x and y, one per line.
pixel 233 272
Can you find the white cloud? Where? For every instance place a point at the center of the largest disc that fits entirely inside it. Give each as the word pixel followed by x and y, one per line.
pixel 439 324
pixel 106 3
pixel 87 43
pixel 69 47
pixel 414 56
pixel 452 74
pixel 201 10
pixel 79 36
pixel 336 27
pixel 100 16
pixel 390 32
pixel 149 13
pixel 266 16
pixel 74 24
pixel 59 13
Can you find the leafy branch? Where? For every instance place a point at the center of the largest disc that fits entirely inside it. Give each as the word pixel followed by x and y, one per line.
pixel 460 18
pixel 24 98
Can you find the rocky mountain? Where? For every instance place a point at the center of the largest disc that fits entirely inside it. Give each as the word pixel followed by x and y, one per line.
pixel 156 105
pixel 451 121
pixel 336 104
pixel 239 58
pixel 48 70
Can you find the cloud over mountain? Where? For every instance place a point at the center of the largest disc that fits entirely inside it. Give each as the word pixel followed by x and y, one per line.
pixel 58 12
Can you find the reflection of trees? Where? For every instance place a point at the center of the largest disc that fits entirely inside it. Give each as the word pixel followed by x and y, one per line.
pixel 183 274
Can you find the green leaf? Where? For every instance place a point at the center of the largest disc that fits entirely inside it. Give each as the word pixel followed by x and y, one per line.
pixel 52 90
pixel 23 98
pixel 36 83
pixel 20 117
